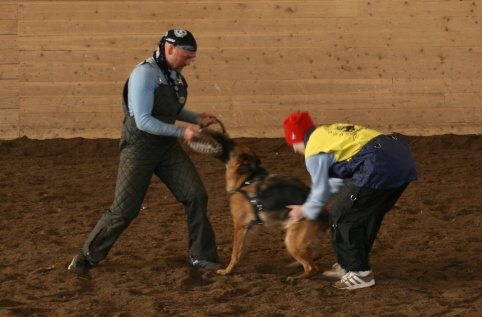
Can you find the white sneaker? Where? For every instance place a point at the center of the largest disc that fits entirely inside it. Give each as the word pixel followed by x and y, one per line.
pixel 335 274
pixel 352 280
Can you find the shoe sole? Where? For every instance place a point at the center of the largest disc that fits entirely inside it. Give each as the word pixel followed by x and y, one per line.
pixel 332 277
pixel 357 286
pixel 209 267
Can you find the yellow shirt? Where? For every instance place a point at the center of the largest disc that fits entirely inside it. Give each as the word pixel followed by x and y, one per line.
pixel 343 140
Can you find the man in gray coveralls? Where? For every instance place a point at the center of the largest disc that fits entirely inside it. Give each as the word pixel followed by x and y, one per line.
pixel 154 98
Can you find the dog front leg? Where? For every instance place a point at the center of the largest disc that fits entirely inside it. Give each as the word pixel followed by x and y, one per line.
pixel 239 245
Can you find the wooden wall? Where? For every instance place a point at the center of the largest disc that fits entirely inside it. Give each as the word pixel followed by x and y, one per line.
pixel 409 66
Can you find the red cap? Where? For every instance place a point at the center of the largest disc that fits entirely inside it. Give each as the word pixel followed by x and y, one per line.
pixel 296 126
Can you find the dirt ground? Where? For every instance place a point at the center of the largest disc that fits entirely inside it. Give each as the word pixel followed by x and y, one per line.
pixel 426 260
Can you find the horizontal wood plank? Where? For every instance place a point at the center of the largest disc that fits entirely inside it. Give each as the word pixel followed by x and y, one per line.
pixel 53 132
pixel 8 71
pixel 246 26
pixel 9 131
pixel 8 101
pixel 8 10
pixel 97 120
pixel 131 10
pixel 8 27
pixel 9 116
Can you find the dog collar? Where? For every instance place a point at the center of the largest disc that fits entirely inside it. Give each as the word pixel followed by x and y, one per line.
pixel 257 175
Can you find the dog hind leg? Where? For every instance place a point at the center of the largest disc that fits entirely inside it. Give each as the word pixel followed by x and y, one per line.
pixel 301 238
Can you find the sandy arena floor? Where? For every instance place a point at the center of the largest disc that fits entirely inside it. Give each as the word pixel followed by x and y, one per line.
pixel 427 257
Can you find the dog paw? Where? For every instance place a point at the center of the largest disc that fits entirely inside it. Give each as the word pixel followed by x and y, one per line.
pixel 223 272
pixel 290 279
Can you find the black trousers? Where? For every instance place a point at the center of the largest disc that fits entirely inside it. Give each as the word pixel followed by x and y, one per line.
pixel 355 219
pixel 169 162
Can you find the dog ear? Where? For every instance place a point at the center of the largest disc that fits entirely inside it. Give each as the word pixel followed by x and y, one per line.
pixel 258 160
pixel 226 143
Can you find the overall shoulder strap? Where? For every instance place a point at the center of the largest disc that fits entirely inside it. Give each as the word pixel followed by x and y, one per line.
pixel 160 76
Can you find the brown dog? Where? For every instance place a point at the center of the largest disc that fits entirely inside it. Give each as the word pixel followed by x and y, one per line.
pixel 258 198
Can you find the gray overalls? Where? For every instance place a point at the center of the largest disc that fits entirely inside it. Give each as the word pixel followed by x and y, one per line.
pixel 142 155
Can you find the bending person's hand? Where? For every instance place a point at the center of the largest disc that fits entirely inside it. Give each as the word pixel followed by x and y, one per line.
pixel 296 212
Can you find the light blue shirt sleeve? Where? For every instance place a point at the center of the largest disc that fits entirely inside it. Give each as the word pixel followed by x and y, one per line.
pixel 187 115
pixel 142 85
pixel 323 188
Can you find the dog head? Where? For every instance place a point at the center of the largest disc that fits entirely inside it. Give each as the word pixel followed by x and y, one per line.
pixel 241 162
pixel 234 149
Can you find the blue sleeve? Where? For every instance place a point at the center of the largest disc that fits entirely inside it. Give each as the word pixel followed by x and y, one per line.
pixel 142 84
pixel 323 188
pixel 187 115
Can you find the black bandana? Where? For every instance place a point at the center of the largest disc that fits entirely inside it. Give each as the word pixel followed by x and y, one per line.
pixel 182 39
